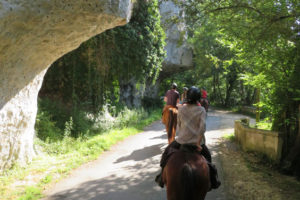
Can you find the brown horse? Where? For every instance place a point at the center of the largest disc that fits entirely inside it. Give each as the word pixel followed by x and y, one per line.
pixel 186 176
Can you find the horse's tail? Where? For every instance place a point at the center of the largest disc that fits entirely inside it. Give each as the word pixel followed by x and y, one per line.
pixel 188 181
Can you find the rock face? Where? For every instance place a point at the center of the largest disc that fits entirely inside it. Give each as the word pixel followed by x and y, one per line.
pixel 179 55
pixel 33 34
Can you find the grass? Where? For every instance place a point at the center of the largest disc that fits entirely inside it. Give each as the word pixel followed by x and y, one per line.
pixel 265 125
pixel 229 136
pixel 56 160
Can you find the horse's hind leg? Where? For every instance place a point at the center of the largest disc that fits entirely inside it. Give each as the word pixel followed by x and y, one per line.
pixel 174 126
pixel 170 128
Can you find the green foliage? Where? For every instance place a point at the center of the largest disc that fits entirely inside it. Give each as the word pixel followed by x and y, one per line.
pixel 249 46
pixel 101 123
pixel 98 71
pixel 151 103
pixel 46 128
pixel 110 69
pixel 229 136
pixel 31 193
pixel 264 124
pixel 54 121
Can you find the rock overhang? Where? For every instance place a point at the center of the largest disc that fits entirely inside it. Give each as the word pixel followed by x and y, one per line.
pixel 33 34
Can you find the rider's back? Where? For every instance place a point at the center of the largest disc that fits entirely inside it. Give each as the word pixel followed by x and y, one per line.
pixel 172 97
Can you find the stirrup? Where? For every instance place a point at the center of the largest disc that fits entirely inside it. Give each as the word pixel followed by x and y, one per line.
pixel 216 185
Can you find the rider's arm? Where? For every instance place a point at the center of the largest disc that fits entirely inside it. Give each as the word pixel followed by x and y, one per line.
pixel 178 127
pixel 178 102
pixel 202 127
pixel 166 98
pixel 199 141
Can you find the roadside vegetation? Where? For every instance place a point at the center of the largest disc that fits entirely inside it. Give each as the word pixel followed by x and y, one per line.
pixel 248 175
pixel 57 157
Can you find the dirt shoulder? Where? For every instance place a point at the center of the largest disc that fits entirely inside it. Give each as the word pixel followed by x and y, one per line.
pixel 246 176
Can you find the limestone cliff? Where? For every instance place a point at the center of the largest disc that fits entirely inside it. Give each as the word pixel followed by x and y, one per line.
pixel 179 54
pixel 33 34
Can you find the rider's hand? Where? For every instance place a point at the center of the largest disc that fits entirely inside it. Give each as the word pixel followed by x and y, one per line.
pixel 199 148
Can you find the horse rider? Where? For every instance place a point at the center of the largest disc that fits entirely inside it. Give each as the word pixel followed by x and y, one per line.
pixel 183 96
pixel 172 99
pixel 191 127
pixel 203 93
pixel 204 101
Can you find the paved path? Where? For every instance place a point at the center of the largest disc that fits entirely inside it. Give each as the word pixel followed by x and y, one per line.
pixel 127 171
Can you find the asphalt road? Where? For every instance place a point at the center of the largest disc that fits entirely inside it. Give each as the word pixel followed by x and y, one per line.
pixel 128 170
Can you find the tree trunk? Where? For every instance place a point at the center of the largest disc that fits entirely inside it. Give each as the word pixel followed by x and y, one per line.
pixel 228 94
pixel 296 148
pixel 219 90
pixel 257 100
pixel 214 88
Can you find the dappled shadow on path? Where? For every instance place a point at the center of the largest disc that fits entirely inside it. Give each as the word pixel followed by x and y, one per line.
pixel 163 136
pixel 125 182
pixel 142 154
pixel 114 187
pixel 152 128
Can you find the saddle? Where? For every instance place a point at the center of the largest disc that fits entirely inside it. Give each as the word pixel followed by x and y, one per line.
pixel 176 147
pixel 190 148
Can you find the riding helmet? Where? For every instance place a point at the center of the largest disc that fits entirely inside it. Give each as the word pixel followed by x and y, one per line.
pixel 174 85
pixel 193 95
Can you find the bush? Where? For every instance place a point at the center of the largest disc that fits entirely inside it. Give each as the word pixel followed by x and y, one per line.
pixel 104 121
pixel 56 123
pixel 149 103
pixel 47 129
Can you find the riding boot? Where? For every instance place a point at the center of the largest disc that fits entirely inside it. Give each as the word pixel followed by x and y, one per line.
pixel 214 180
pixel 158 179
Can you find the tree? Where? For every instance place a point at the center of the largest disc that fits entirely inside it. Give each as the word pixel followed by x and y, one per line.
pixel 263 37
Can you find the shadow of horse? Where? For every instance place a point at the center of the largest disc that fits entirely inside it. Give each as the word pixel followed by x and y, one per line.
pixel 142 154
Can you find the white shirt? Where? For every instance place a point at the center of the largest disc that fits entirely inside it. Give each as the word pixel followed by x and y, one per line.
pixel 190 124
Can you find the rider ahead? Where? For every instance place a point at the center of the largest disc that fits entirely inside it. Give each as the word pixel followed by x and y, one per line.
pixel 203 93
pixel 204 101
pixel 183 96
pixel 172 99
pixel 191 128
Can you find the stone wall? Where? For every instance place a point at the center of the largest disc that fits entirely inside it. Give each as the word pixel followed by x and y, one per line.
pixel 33 34
pixel 265 142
